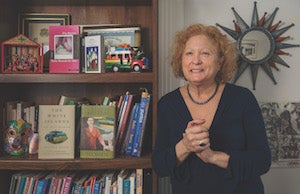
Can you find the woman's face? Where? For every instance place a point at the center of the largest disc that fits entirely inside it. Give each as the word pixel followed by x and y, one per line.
pixel 200 60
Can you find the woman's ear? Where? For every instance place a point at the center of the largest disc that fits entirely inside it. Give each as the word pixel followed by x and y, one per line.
pixel 222 60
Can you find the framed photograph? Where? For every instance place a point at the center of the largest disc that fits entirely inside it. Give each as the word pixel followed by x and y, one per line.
pixel 36 26
pixel 282 121
pixel 116 35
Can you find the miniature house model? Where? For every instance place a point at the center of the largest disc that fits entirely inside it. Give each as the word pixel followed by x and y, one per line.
pixel 21 55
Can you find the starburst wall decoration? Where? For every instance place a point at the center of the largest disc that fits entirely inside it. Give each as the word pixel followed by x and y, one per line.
pixel 260 44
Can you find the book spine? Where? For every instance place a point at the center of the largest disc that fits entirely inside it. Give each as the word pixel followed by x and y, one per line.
pixel 131 129
pixel 19 110
pixel 139 181
pixel 126 186
pixel 27 184
pixel 67 185
pixel 96 187
pixel 144 103
pixel 123 124
pixel 143 128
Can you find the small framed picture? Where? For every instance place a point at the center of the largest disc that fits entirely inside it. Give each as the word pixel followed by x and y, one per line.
pixel 36 26
pixel 63 46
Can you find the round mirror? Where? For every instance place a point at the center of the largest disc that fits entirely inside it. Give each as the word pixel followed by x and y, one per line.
pixel 259 44
pixel 256 45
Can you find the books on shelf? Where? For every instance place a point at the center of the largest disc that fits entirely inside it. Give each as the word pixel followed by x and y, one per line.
pixel 94 54
pixel 56 131
pixel 18 109
pixel 123 120
pixel 131 123
pixel 97 131
pixel 122 181
pixel 64 46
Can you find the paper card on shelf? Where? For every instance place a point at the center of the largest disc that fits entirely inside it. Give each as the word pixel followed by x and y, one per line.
pixel 94 54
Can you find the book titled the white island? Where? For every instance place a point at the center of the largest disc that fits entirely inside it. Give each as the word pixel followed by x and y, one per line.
pixel 56 131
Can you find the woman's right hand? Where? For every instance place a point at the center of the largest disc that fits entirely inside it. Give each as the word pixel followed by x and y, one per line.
pixel 196 136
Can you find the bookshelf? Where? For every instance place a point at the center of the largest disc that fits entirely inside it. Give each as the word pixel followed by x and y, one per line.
pixel 46 88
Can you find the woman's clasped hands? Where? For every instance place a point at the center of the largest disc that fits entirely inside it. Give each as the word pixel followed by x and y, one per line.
pixel 196 139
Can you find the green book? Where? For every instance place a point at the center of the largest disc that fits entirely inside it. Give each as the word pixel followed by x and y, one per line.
pixel 97 135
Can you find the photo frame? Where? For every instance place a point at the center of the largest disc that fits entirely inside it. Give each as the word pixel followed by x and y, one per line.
pixel 36 26
pixel 282 122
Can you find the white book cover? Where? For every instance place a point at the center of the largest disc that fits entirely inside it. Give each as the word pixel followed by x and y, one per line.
pixel 56 131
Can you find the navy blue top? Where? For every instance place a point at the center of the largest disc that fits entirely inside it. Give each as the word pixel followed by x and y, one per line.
pixel 237 129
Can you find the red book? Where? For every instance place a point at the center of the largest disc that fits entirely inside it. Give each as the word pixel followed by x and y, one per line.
pixel 124 119
pixel 64 45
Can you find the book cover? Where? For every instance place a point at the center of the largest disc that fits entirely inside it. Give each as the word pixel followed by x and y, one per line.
pixel 97 131
pixel 64 46
pixel 94 54
pixel 141 124
pixel 56 131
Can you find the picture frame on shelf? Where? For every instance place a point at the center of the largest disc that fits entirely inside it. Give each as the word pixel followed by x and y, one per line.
pixel 115 34
pixel 36 27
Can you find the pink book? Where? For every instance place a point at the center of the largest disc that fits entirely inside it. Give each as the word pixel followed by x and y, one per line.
pixel 64 46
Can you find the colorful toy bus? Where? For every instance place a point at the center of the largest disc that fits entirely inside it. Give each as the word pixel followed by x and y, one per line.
pixel 125 59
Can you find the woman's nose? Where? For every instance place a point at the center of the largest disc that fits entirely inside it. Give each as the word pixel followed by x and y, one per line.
pixel 197 59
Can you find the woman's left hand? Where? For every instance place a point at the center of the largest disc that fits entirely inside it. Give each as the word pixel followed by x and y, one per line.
pixel 217 158
pixel 206 155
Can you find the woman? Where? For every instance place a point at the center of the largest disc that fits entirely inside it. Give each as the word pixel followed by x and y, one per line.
pixel 211 137
pixel 92 137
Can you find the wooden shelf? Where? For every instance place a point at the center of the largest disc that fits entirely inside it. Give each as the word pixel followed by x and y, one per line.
pixel 32 163
pixel 89 2
pixel 46 88
pixel 78 78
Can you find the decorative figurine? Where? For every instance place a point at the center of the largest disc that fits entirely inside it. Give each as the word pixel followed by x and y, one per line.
pixel 125 58
pixel 21 55
pixel 16 137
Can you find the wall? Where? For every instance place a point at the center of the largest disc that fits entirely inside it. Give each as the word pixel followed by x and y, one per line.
pixel 176 14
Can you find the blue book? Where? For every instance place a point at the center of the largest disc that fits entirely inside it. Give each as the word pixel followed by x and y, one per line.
pixel 87 191
pixel 96 187
pixel 22 184
pixel 131 129
pixel 40 185
pixel 126 186
pixel 140 126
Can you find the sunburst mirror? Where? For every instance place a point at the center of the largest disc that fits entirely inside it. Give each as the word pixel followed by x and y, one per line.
pixel 260 44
